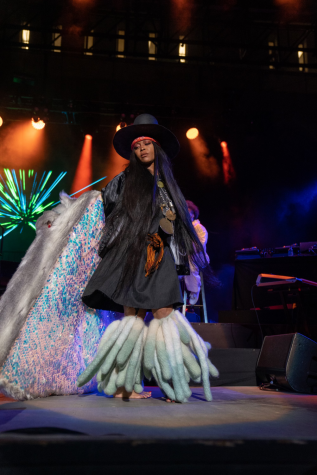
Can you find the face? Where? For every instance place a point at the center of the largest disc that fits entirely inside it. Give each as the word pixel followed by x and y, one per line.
pixel 144 150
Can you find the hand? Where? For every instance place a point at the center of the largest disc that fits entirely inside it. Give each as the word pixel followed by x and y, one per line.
pixel 193 297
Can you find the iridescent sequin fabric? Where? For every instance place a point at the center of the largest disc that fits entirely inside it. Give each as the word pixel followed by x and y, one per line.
pixel 61 335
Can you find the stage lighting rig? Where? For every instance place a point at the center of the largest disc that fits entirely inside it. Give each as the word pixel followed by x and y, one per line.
pixel 40 117
pixel 122 122
pixel 3 117
pixel 87 117
pixel 192 133
pixel 38 123
pixel 121 126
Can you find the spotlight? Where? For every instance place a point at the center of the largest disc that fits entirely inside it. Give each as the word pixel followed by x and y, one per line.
pixel 1 121
pixel 38 123
pixel 121 126
pixel 192 133
pixel 88 137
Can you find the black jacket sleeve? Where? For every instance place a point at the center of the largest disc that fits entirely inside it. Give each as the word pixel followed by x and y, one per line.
pixel 111 193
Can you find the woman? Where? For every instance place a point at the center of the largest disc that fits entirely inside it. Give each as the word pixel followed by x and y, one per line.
pixel 193 281
pixel 148 237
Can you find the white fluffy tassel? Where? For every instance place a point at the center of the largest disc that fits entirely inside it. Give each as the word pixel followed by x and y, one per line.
pixel 133 364
pixel 169 349
pixel 149 348
pixel 200 351
pixel 175 353
pixel 138 385
pixel 164 385
pixel 118 359
pixel 168 337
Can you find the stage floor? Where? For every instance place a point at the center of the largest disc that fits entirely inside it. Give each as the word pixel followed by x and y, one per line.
pixel 235 413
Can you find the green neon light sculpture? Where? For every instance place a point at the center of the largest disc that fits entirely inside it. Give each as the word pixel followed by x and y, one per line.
pixel 16 210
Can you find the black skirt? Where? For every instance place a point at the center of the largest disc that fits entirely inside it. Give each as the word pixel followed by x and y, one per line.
pixel 160 289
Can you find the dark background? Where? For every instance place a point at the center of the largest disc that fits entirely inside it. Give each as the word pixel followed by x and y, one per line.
pixel 232 87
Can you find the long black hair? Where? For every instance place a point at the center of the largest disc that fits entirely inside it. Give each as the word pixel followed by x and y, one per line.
pixel 137 206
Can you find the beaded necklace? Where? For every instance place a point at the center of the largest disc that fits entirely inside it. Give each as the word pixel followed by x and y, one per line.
pixel 167 207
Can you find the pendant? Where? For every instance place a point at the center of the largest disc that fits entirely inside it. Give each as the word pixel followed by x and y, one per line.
pixel 170 215
pixel 167 226
pixel 160 184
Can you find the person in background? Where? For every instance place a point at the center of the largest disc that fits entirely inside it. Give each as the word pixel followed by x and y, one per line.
pixel 193 281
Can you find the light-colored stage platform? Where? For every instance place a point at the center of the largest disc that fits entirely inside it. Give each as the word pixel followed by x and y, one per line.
pixel 235 412
pixel 243 431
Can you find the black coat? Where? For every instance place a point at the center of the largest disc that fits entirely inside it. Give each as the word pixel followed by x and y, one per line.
pixel 160 289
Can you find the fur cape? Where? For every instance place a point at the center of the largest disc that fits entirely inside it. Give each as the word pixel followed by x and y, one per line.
pixel 27 282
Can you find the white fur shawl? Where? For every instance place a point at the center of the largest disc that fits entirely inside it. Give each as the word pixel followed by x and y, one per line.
pixel 35 268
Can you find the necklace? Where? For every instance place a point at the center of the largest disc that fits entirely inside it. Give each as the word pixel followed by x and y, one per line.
pixel 168 210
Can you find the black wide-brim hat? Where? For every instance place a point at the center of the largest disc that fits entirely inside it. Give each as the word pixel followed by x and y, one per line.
pixel 145 125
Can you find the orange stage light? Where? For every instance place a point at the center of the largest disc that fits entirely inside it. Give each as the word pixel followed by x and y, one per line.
pixel 290 8
pixel 206 163
pixel 115 164
pixel 83 175
pixel 229 173
pixel 121 126
pixel 21 146
pixel 192 133
pixel 38 124
pixel 1 121
pixel 290 3
pixel 83 3
pixel 182 12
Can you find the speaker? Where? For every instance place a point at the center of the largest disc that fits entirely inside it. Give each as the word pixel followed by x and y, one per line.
pixel 288 362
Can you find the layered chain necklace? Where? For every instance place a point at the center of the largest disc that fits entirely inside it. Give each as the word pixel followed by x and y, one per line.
pixel 167 207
